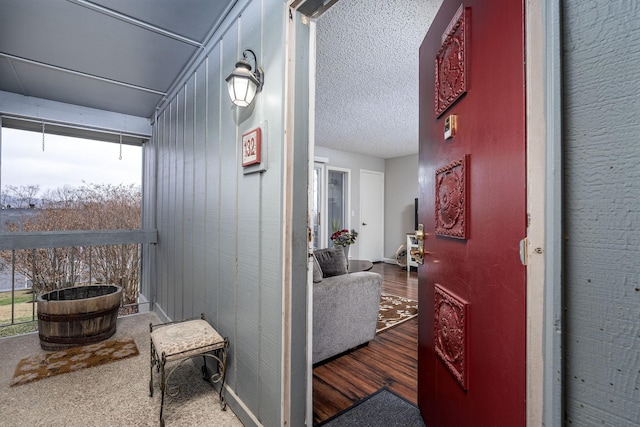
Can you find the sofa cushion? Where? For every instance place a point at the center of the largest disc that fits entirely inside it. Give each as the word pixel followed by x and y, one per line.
pixel 332 261
pixel 317 271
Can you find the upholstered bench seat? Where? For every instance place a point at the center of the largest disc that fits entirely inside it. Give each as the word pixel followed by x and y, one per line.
pixel 179 341
pixel 186 339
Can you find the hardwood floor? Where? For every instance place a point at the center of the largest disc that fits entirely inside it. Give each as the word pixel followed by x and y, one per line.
pixel 389 360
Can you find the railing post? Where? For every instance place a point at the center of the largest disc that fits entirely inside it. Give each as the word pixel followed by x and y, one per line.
pixel 13 286
pixel 33 283
pixel 90 264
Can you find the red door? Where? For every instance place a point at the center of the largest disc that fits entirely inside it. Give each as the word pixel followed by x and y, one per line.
pixel 472 333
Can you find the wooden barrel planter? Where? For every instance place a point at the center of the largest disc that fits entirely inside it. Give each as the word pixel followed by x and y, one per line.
pixel 76 316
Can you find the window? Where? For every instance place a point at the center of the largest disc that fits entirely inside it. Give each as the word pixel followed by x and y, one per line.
pixel 337 201
pixel 52 173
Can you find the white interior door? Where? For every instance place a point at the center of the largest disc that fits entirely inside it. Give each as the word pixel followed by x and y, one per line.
pixel 371 227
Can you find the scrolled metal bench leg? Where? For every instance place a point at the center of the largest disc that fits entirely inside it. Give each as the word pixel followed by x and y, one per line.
pixel 219 355
pixel 223 350
pixel 163 387
pixel 205 371
pixel 151 362
pixel 219 375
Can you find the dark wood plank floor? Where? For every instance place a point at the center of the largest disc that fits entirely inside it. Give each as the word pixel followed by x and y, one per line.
pixel 389 360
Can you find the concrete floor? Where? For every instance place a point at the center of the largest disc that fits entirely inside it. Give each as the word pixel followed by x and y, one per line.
pixel 116 394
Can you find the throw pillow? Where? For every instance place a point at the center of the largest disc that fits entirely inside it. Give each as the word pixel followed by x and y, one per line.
pixel 317 271
pixel 332 261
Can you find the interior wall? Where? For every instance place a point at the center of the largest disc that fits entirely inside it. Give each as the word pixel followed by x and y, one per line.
pixel 354 162
pixel 401 190
pixel 602 212
pixel 220 231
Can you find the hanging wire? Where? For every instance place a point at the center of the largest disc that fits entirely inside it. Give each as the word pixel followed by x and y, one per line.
pixel 120 158
pixel 43 136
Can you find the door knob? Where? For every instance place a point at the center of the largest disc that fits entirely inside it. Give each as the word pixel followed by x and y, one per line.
pixel 418 254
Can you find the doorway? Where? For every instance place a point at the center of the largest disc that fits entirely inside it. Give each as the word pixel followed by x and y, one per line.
pixel 535 303
pixel 371 245
pixel 368 187
pixel 473 192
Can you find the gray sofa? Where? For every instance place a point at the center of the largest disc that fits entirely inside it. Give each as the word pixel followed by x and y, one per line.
pixel 345 305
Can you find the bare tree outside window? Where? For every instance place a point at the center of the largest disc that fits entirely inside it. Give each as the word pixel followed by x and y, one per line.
pixel 90 207
pixel 48 185
pixel 23 195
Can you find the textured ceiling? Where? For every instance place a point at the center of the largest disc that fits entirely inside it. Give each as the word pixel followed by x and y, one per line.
pixel 367 75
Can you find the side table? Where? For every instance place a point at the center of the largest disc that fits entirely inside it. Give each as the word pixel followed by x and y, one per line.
pixel 355 265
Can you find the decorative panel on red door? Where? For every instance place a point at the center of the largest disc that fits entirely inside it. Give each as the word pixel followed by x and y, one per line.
pixel 450 332
pixel 451 62
pixel 451 199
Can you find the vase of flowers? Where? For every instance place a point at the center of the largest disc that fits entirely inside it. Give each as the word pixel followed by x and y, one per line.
pixel 344 238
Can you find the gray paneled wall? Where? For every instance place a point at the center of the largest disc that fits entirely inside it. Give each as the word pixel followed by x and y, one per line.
pixel 220 231
pixel 602 212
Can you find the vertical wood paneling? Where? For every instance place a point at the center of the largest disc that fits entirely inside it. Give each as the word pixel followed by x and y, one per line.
pixel 172 261
pixel 149 275
pixel 180 206
pixel 271 100
pixel 248 218
pixel 229 206
pixel 178 281
pixel 188 195
pixel 200 177
pixel 220 246
pixel 164 180
pixel 212 205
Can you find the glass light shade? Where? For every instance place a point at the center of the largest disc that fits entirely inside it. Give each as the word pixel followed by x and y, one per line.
pixel 242 84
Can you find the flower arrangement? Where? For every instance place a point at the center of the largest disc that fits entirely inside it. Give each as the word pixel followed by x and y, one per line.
pixel 344 237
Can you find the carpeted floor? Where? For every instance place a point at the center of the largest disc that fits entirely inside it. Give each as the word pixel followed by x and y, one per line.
pixel 380 409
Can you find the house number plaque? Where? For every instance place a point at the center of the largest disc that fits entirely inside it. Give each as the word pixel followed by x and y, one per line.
pixel 251 147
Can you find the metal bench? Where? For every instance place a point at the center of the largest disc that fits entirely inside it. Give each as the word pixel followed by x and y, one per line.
pixel 181 341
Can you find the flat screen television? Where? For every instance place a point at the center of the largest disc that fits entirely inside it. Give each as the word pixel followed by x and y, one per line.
pixel 415 224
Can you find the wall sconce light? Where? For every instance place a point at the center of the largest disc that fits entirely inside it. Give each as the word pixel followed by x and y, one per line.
pixel 244 84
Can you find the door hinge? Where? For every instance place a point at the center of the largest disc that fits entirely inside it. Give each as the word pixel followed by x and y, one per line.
pixel 524 251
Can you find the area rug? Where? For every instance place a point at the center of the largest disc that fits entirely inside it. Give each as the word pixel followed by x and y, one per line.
pixel 41 366
pixel 383 408
pixel 395 310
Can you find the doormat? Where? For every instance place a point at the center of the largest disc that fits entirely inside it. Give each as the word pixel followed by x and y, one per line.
pixel 46 365
pixel 395 310
pixel 380 409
